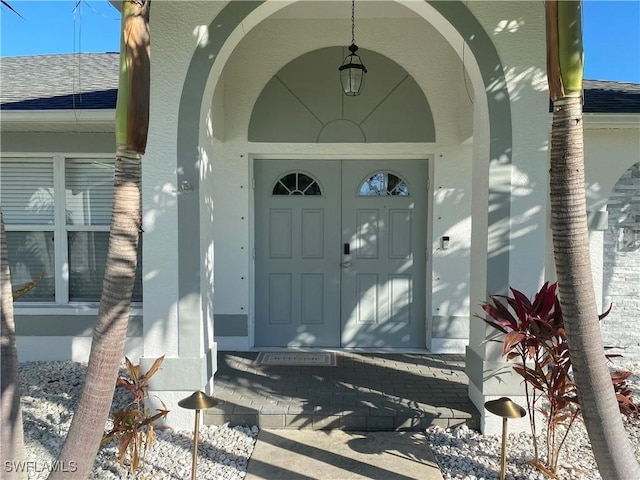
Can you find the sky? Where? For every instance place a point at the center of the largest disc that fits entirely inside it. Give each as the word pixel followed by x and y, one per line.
pixel 611 33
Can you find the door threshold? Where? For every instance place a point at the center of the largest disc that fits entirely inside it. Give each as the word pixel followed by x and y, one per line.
pixel 380 350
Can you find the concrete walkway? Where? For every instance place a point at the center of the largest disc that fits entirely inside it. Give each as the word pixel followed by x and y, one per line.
pixel 338 455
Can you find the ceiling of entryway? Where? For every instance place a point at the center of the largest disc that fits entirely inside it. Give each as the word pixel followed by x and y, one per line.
pixel 303 102
pixel 338 9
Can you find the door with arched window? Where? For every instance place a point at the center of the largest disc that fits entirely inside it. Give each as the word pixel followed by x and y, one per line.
pixel 383 275
pixel 340 253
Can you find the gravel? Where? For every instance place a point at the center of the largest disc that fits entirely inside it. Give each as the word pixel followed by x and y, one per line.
pixel 51 389
pixel 465 454
pixel 49 393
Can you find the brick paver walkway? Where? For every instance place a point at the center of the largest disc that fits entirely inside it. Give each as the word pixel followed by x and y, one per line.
pixel 363 392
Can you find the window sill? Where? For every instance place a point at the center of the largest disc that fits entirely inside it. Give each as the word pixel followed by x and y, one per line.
pixel 69 309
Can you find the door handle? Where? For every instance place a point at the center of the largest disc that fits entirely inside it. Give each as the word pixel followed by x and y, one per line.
pixel 345 264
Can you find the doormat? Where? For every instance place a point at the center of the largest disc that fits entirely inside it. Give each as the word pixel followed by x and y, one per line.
pixel 297 359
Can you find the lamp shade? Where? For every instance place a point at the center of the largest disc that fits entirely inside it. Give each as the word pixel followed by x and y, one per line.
pixel 504 407
pixel 352 73
pixel 197 401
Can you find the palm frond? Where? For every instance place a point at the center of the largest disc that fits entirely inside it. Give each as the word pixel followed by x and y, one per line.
pixel 8 5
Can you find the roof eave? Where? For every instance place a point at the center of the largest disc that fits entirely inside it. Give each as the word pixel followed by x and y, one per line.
pixel 58 116
pixel 117 4
pixel 611 120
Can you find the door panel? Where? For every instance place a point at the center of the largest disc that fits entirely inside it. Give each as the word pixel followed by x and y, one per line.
pixel 400 225
pixel 280 232
pixel 312 233
pixel 280 298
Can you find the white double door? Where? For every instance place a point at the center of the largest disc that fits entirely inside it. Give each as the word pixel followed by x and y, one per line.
pixel 336 264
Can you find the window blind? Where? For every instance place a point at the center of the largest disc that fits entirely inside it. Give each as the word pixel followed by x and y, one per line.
pixel 26 192
pixel 89 191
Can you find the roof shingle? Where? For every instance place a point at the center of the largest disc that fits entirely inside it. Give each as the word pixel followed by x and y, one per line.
pixel 90 81
pixel 611 97
pixel 59 82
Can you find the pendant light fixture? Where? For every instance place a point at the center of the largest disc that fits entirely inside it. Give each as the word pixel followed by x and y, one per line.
pixel 352 70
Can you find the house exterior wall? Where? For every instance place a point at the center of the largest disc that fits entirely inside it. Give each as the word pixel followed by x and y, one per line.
pixel 452 113
pixel 611 148
pixel 232 161
pixel 613 185
pixel 48 144
pixel 198 237
pixel 621 282
pixel 493 260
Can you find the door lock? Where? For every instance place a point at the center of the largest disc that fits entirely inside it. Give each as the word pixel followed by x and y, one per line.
pixel 346 249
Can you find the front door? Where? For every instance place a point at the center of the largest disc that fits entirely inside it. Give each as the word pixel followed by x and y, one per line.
pixel 340 253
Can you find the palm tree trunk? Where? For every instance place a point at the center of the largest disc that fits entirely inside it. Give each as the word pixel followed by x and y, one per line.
pixel 107 348
pixel 11 435
pixel 610 444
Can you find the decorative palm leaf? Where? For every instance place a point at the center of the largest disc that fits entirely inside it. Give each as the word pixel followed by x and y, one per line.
pixel 8 5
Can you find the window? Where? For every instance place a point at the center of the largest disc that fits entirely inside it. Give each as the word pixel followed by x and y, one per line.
pixel 297 184
pixel 383 184
pixel 57 214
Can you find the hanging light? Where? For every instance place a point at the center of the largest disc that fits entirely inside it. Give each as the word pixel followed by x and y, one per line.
pixel 352 70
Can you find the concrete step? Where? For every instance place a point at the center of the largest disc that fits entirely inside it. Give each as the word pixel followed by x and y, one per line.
pixel 326 418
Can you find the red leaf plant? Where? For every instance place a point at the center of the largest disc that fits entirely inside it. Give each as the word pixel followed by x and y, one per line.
pixel 133 425
pixel 534 333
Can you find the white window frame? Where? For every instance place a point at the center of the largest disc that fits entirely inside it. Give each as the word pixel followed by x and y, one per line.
pixel 62 304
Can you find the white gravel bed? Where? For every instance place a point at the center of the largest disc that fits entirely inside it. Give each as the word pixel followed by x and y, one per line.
pixel 467 455
pixel 50 390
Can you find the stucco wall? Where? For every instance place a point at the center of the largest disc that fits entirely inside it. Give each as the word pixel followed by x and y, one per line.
pixel 516 222
pixel 621 282
pixel 179 28
pixel 613 185
pixel 517 29
pixel 509 203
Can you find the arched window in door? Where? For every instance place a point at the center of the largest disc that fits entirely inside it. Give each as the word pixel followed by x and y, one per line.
pixel 297 183
pixel 382 184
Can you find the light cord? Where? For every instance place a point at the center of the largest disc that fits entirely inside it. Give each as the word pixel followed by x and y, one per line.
pixel 353 22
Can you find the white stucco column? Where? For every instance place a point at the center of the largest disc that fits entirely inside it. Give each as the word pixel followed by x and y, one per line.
pixel 509 231
pixel 176 261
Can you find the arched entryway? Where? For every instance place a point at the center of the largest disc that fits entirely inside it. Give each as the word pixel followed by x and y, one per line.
pixel 480 75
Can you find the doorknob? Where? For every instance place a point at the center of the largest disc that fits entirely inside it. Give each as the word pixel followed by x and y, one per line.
pixel 346 264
